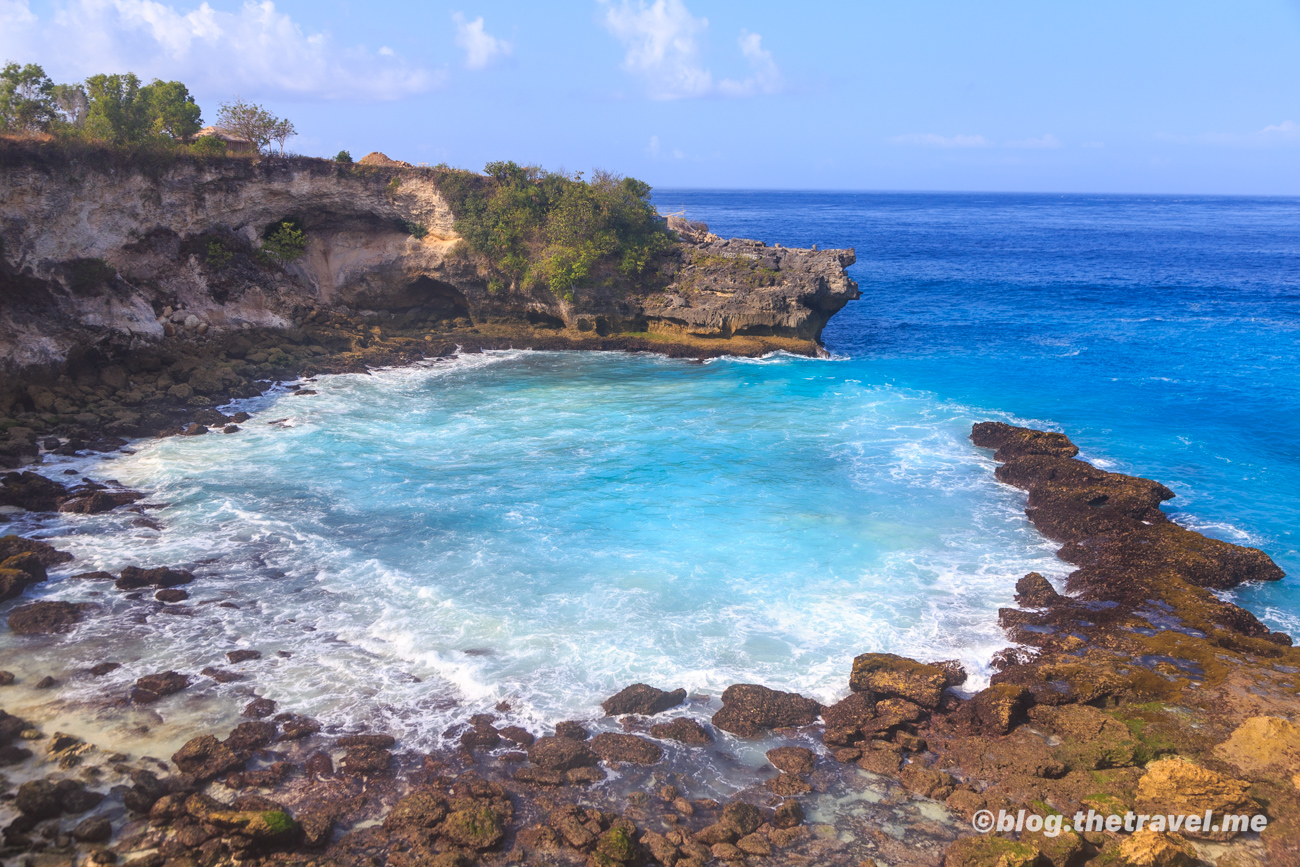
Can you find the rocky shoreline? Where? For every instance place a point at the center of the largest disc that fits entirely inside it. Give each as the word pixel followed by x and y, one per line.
pixel 1136 689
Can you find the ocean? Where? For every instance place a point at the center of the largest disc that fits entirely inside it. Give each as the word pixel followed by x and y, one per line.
pixel 542 529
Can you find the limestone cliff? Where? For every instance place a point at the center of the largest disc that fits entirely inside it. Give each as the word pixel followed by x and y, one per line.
pixel 98 251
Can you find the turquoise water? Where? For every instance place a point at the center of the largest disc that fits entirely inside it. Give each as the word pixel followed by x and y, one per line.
pixel 545 528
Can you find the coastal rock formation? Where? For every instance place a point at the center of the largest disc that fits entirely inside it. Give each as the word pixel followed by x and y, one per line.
pixel 98 255
pixel 748 709
pixel 640 698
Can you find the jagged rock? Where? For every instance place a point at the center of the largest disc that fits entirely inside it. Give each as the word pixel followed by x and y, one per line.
pixel 1262 745
pixel 96 829
pixel 258 708
pixel 518 735
pixel 998 709
pixel 788 815
pixel 642 699
pixel 135 578
pixel 615 748
pixel 1155 849
pixel 40 618
pixel 39 799
pixel 892 676
pixel 1035 591
pixel 251 735
pixel 1174 786
pixel 365 760
pixel 294 727
pixel 749 709
pixel 374 742
pixel 792 760
pixel 561 754
pixel 237 656
pixel 206 758
pixel 49 556
pixel 153 687
pixel 171 595
pixel 571 730
pixel 683 729
pixel 990 852
pixel 31 491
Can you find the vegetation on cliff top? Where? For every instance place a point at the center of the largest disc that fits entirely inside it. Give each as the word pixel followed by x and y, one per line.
pixel 539 228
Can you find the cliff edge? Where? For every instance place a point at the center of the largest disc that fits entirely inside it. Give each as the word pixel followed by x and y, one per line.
pixel 99 254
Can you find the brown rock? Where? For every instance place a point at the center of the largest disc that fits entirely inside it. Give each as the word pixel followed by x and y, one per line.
pixel 561 754
pixel 134 578
pixel 1155 849
pixel 237 656
pixel 152 687
pixel 890 675
pixel 642 699
pixel 614 748
pixel 171 595
pixel 49 556
pixel 259 708
pixel 749 709
pixel 850 713
pixel 220 675
pixel 518 735
pixel 206 758
pixel 1263 745
pixel 788 815
pixel 792 760
pixel 571 730
pixel 319 764
pixel 1035 591
pixel 1176 786
pixel 788 785
pixel 754 844
pixel 378 742
pixel 990 852
pixel 683 729
pixel 40 618
pixel 251 735
pixel 365 760
pixel 998 709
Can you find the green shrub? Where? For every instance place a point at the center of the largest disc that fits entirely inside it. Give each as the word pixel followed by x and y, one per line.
pixel 208 146
pixel 419 230
pixel 218 256
pixel 553 229
pixel 343 157
pixel 283 243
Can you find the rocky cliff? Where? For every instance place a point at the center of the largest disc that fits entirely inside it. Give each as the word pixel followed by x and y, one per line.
pixel 98 252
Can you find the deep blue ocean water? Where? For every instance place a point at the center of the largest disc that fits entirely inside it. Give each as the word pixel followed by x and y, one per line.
pixel 545 528
pixel 1161 333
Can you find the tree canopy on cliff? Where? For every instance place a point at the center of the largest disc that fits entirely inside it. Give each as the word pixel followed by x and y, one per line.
pixel 555 229
pixel 114 108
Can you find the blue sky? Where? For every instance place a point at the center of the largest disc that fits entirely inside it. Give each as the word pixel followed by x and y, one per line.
pixel 1176 97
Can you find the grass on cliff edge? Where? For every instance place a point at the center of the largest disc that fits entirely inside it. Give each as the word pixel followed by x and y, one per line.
pixel 553 229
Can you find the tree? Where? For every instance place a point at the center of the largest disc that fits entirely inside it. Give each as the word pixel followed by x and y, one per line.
pixel 171 109
pixel 71 104
pixel 284 244
pixel 281 132
pixel 250 122
pixel 117 112
pixel 26 100
pixel 343 157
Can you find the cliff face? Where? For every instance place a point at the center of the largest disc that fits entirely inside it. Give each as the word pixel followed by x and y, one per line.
pixel 97 253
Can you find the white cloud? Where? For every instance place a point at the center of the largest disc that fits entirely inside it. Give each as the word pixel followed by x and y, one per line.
pixel 931 140
pixel 766 78
pixel 256 50
pixel 663 42
pixel 480 47
pixel 1046 141
pixel 1287 129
